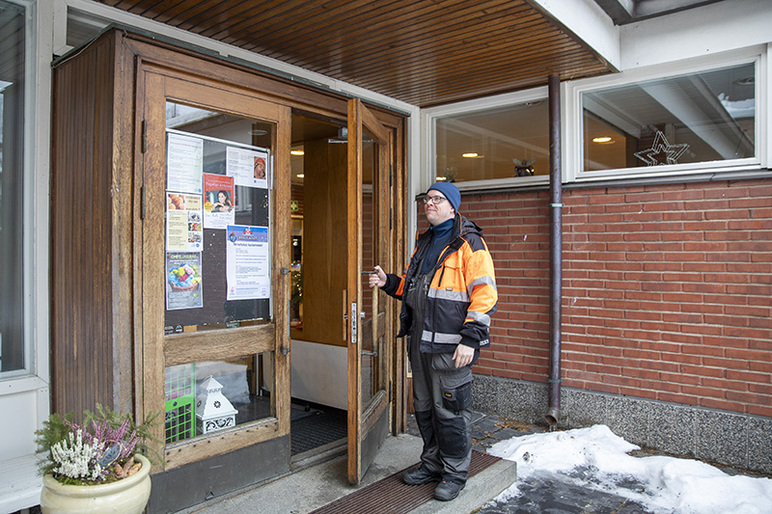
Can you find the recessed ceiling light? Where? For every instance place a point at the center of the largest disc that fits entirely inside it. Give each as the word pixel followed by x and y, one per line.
pixel 604 139
pixel 297 152
pixel 470 155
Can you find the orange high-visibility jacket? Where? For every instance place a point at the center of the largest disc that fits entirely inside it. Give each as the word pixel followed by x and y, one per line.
pixel 462 295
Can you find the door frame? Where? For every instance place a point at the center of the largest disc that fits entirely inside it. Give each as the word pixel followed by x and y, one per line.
pixel 165 58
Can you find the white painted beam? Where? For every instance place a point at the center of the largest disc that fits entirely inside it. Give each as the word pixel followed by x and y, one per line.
pixel 587 21
pixel 697 32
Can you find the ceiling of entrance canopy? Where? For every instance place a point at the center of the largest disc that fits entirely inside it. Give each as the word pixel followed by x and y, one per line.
pixel 423 52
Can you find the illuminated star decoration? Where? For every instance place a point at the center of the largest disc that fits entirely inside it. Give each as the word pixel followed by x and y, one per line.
pixel 661 151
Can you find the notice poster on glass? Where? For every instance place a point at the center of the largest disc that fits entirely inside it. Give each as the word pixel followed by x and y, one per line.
pixel 183 281
pixel 184 163
pixel 248 167
pixel 219 201
pixel 248 265
pixel 184 229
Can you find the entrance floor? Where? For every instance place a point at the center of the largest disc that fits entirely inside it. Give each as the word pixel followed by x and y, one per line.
pixel 316 486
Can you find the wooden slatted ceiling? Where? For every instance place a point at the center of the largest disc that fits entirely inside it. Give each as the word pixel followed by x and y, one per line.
pixel 423 52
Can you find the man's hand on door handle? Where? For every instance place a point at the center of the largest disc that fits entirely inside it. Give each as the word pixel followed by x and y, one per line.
pixel 377 278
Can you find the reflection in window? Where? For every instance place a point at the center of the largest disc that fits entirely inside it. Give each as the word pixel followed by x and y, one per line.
pixel 701 117
pixel 14 356
pixel 204 397
pixel 502 142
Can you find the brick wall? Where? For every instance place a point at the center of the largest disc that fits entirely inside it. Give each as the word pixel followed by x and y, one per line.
pixel 667 290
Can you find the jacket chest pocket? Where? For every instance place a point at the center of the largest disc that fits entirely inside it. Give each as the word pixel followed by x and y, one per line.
pixel 452 275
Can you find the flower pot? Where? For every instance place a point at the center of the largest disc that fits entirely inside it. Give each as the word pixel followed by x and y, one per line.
pixel 129 495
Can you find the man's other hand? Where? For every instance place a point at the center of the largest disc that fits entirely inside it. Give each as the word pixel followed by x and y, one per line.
pixel 463 355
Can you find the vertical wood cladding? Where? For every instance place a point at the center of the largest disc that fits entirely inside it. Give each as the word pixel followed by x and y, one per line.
pixel 667 290
pixel 90 216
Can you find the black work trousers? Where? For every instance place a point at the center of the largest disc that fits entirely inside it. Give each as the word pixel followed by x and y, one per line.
pixel 442 397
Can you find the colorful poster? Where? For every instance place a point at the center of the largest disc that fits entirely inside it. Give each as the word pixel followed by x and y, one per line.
pixel 184 163
pixel 183 281
pixel 219 201
pixel 184 229
pixel 248 264
pixel 248 167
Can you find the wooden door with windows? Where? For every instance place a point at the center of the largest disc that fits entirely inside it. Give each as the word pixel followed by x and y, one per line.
pixel 370 155
pixel 214 243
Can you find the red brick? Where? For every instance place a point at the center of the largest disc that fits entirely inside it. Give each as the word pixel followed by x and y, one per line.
pixel 703 371
pixel 704 330
pixel 706 226
pixel 677 398
pixel 703 308
pixel 747 376
pixel 714 403
pixel 622 381
pixel 762 389
pixel 765 365
pixel 760 312
pixel 760 410
pixel 747 398
pixel 685 359
pixel 748 333
pixel 726 192
pixel 683 236
pixel 696 194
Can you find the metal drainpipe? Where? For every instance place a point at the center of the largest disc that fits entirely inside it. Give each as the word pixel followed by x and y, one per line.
pixel 556 254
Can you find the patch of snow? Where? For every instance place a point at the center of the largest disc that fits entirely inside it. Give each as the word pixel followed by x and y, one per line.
pixel 599 459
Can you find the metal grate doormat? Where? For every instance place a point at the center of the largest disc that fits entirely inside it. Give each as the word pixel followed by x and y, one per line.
pixel 390 495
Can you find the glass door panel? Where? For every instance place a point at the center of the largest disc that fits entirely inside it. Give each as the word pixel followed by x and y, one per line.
pixel 218 197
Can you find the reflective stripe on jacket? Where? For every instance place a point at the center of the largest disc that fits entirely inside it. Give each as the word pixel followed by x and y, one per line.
pixel 462 295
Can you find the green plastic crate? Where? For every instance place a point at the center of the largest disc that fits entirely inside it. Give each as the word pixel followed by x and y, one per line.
pixel 180 396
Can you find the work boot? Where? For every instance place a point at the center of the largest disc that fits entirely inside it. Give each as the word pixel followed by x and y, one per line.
pixel 420 475
pixel 448 490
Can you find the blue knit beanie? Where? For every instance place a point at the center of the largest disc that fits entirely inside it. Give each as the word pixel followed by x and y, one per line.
pixel 450 192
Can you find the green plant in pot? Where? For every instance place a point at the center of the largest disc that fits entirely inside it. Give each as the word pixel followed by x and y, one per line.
pixel 101 465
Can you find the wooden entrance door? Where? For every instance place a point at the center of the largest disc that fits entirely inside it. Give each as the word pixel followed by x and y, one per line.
pixel 369 231
pixel 214 239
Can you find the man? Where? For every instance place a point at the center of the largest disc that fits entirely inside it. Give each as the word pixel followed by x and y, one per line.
pixel 448 294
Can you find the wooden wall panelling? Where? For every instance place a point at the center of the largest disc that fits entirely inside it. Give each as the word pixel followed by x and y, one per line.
pixel 324 241
pixel 91 202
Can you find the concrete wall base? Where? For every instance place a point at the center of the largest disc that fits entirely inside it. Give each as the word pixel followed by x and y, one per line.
pixel 722 437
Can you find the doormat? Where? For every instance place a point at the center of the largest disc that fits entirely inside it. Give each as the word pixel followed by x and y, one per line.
pixel 317 429
pixel 391 495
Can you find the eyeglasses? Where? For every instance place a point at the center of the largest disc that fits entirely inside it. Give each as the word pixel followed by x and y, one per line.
pixel 435 200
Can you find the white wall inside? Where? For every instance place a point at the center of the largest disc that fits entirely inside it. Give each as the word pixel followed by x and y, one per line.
pixel 319 373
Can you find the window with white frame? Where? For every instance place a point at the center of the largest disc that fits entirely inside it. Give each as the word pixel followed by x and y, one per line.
pixel 14 356
pixel 508 139
pixel 691 121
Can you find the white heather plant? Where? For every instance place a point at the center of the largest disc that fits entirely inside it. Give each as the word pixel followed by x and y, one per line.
pixel 75 459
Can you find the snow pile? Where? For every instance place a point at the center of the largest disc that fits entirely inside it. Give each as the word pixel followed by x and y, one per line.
pixel 599 459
